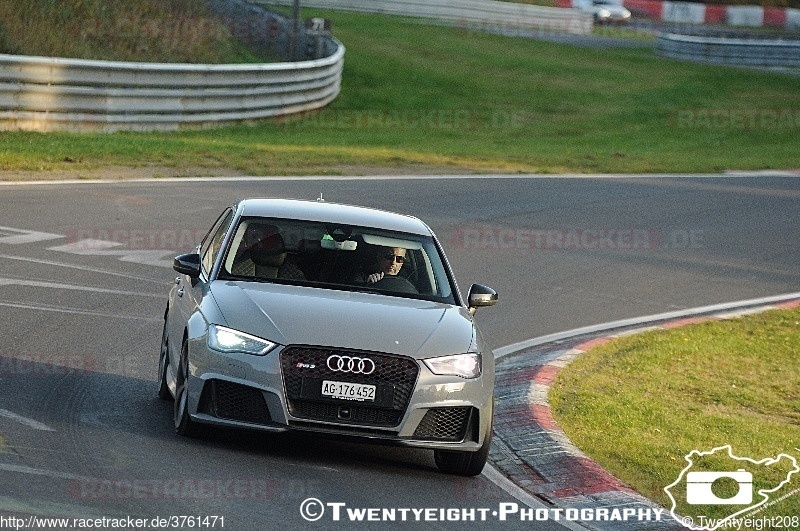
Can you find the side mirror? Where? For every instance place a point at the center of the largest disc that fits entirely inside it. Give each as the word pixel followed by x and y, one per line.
pixel 480 296
pixel 187 264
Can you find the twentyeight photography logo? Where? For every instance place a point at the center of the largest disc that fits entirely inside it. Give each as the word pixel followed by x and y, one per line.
pixel 719 489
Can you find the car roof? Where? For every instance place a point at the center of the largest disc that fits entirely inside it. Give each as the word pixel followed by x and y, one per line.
pixel 326 212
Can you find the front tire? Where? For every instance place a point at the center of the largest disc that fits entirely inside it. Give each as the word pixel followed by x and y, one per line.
pixel 462 463
pixel 184 425
pixel 163 364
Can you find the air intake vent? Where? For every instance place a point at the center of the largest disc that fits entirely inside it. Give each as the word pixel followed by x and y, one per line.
pixel 444 424
pixel 238 402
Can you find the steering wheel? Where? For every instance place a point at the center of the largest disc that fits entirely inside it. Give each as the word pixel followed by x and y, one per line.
pixel 397 284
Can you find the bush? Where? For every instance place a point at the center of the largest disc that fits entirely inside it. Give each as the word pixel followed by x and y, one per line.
pixel 118 30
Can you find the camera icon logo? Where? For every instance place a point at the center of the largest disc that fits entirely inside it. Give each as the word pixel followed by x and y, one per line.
pixel 699 492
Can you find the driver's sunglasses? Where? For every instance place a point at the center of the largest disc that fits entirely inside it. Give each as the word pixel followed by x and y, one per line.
pixel 395 258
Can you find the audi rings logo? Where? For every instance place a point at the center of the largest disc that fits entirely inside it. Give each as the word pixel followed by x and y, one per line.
pixel 351 364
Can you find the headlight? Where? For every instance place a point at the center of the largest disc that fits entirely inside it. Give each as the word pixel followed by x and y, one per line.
pixel 463 365
pixel 228 340
pixel 604 13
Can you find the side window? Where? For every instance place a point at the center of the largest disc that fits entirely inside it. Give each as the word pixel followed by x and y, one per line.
pixel 213 241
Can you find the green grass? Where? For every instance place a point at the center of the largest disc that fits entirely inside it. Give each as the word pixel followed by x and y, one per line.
pixel 425 97
pixel 639 404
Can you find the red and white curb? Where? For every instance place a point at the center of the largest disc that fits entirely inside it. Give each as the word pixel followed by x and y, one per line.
pixel 700 13
pixel 532 451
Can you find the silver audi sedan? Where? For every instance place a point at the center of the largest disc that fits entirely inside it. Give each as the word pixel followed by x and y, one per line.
pixel 308 315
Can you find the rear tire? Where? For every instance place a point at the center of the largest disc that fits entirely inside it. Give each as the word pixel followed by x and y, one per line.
pixel 184 425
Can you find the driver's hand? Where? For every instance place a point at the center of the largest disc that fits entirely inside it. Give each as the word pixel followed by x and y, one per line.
pixel 374 277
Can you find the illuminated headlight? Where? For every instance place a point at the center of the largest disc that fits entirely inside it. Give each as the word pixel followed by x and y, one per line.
pixel 228 340
pixel 604 13
pixel 463 365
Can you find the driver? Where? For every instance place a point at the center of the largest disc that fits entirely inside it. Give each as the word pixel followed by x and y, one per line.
pixel 384 261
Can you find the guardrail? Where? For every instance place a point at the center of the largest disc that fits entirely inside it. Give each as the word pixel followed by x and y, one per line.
pixel 53 94
pixel 733 51
pixel 487 15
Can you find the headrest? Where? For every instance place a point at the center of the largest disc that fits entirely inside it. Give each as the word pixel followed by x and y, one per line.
pixel 264 245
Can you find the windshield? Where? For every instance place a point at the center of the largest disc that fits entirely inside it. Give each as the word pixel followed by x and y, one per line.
pixel 337 257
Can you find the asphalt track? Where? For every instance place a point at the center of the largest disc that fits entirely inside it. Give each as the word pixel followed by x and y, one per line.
pixel 84 282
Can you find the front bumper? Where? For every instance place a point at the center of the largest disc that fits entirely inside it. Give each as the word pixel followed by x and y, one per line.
pixel 280 392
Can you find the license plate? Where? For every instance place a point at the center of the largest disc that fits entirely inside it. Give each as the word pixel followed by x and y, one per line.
pixel 348 391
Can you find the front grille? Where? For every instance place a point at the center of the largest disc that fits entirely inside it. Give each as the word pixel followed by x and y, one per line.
pixel 444 424
pixel 304 369
pixel 233 401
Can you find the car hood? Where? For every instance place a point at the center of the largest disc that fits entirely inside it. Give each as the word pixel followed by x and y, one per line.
pixel 297 315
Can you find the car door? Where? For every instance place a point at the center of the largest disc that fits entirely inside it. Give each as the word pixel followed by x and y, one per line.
pixel 190 292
